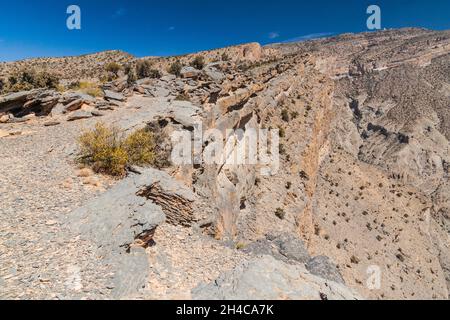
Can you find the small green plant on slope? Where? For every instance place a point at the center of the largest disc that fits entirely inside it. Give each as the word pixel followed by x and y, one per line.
pixel 198 62
pixel 175 68
pixel 114 68
pixel 144 69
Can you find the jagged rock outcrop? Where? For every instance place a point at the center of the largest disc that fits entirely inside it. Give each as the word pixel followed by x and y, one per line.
pixel 40 102
pixel 16 107
pixel 189 72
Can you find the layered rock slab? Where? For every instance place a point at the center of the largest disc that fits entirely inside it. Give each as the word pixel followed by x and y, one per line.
pixel 121 223
pixel 265 278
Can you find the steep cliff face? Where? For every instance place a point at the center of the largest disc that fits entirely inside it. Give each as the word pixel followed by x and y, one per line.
pixel 380 191
pixel 364 159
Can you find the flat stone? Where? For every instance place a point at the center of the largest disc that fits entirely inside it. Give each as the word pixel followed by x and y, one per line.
pixel 189 72
pixel 105 107
pixel 80 114
pixel 18 120
pixel 112 95
pixel 72 96
pixel 51 123
pixel 97 113
pixel 168 78
pixel 74 105
pixel 159 92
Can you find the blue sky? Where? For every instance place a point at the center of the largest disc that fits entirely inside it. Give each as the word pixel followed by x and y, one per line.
pixel 32 28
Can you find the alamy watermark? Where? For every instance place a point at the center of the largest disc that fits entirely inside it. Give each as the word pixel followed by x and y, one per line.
pixel 374 20
pixel 73 22
pixel 229 147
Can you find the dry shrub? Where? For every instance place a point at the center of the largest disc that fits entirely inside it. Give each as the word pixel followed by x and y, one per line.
pixel 140 147
pixel 86 87
pixel 175 68
pixel 198 62
pixel 30 79
pixel 107 151
pixel 144 69
pixel 114 68
pixel 101 149
pixel 163 148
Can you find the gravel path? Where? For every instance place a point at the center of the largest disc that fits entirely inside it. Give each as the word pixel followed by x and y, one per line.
pixel 39 186
pixel 40 257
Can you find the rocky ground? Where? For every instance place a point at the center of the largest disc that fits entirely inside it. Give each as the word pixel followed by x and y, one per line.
pixel 362 185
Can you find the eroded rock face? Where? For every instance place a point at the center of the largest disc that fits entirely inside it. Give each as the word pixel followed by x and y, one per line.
pixel 16 107
pixel 266 278
pixel 177 204
pixel 12 101
pixel 20 104
pixel 291 249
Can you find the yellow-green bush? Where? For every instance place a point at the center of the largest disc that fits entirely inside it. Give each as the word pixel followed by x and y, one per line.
pixel 101 148
pixel 107 151
pixel 140 147
pixel 89 88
